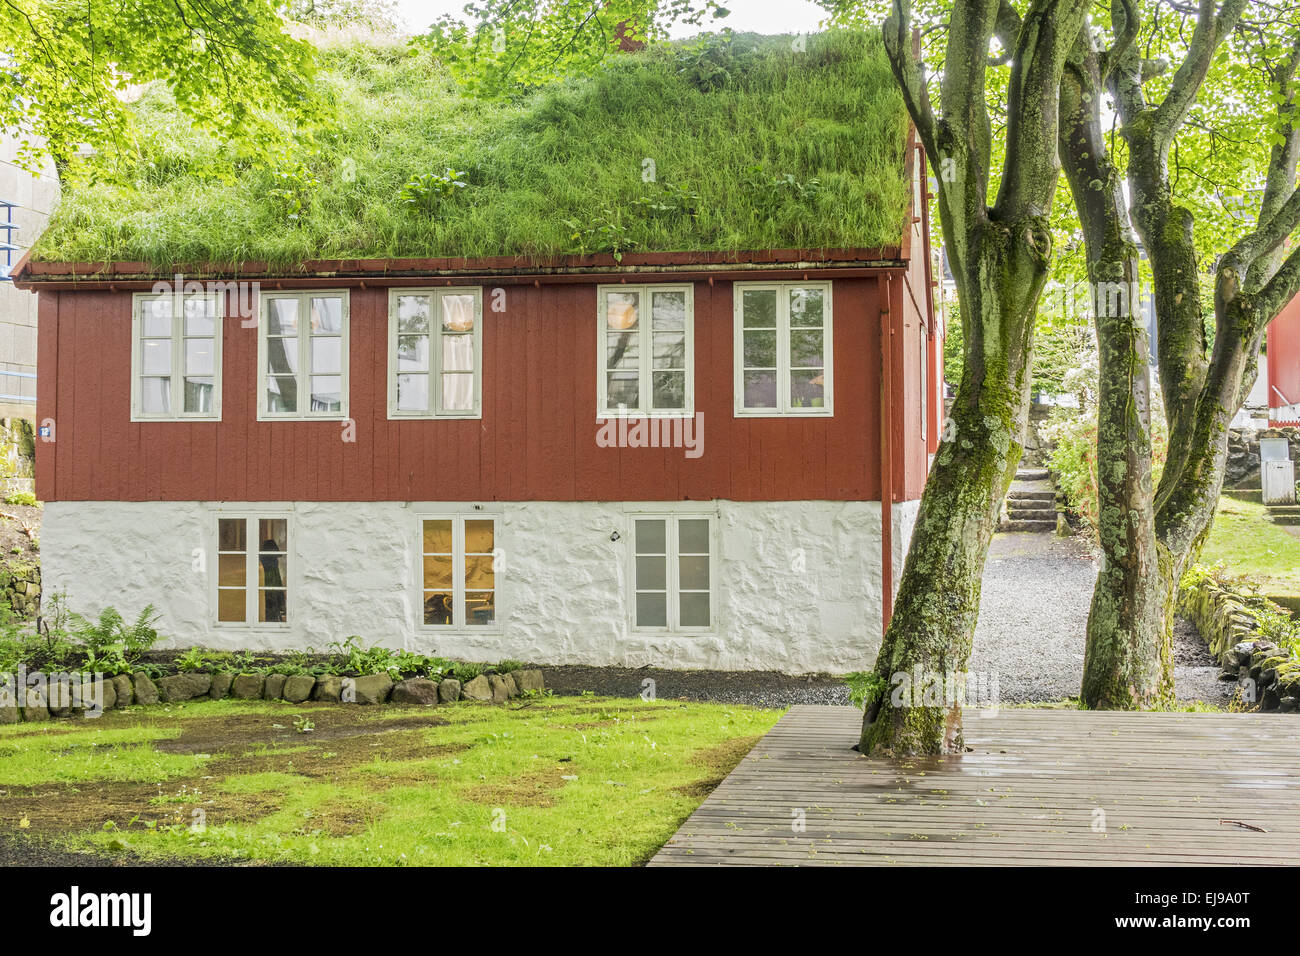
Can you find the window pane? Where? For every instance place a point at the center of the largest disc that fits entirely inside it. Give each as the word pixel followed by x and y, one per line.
pixel 156 356
pixel 806 348
pixel 282 394
pixel 412 314
pixel 156 316
pixel 198 394
pixel 651 572
pixel 623 388
pixel 232 570
pixel 327 355
pixel 413 353
pixel 156 396
pixel 669 390
pixel 621 310
pixel 437 537
pixel 760 389
pixel 693 573
pixel 437 572
pixel 326 315
pixel 200 357
pixel 758 308
pixel 231 604
pixel 326 393
pixel 231 534
pixel 272 606
pixel 651 609
pixel 694 609
pixel 274 570
pixel 807 388
pixel 282 356
pixel 479 536
pixel 693 536
pixel 437 607
pixel 668 311
pixel 622 350
pixel 807 307
pixel 458 353
pixel 760 349
pixel 651 536
pixel 273 534
pixel 458 392
pixel 200 316
pixel 479 607
pixel 478 572
pixel 413 392
pixel 458 313
pixel 282 317
pixel 669 349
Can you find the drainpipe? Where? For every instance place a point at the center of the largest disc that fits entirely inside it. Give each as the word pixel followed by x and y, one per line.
pixel 884 286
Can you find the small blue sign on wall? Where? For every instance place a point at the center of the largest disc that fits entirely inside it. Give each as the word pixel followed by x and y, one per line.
pixel 45 431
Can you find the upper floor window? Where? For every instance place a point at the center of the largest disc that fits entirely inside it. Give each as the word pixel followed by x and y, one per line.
pixel 783 348
pixel 646 349
pixel 302 347
pixel 435 353
pixel 252 570
pixel 176 357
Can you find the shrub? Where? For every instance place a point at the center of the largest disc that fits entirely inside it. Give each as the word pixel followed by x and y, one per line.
pixel 865 688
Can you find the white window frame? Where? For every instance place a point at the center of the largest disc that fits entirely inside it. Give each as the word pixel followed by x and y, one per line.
pixel 672 582
pixel 783 407
pixel 304 297
pixel 251 579
pixel 645 372
pixel 458 624
pixel 435 353
pixel 177 398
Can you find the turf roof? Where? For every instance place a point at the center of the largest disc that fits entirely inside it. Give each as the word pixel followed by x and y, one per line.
pixel 755 146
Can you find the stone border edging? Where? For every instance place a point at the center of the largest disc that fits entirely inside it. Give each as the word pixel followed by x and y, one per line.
pixel 64 697
pixel 1220 614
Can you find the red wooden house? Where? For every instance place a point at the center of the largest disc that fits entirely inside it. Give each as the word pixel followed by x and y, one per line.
pixel 1284 367
pixel 689 459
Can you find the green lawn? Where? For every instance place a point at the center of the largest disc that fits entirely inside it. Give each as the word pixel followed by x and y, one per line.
pixel 1248 543
pixel 572 781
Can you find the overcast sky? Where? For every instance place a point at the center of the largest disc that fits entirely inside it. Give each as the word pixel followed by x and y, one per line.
pixel 756 16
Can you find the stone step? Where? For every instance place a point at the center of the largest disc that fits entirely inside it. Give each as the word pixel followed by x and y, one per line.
pixel 1027 525
pixel 1032 514
pixel 1031 474
pixel 1288 520
pixel 1284 509
pixel 1017 495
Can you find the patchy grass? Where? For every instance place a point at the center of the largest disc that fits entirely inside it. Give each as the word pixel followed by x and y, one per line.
pixel 1249 544
pixel 558 781
pixel 825 129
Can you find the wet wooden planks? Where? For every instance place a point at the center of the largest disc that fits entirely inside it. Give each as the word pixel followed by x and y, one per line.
pixel 1037 787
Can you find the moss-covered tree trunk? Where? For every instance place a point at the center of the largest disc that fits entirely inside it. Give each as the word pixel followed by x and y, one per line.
pixel 1128 660
pixel 1000 255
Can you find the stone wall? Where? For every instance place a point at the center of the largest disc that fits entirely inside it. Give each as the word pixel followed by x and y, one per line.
pixel 20 585
pixel 1269 675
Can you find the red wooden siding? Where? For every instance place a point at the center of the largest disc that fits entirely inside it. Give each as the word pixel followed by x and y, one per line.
pixel 1284 363
pixel 537 436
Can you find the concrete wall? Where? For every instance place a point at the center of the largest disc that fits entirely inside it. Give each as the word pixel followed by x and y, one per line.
pixel 35 196
pixel 796 586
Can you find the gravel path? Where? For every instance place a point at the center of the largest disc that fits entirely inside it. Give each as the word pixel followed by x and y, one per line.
pixel 1033 608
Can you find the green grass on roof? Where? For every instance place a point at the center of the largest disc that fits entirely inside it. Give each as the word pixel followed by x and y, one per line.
pixel 754 146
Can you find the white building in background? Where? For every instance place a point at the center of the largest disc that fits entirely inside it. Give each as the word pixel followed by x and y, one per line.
pixel 26 201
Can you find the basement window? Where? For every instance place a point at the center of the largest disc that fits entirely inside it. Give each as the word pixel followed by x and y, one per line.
pixel 435 353
pixel 645 340
pixel 252 581
pixel 302 356
pixel 458 572
pixel 783 349
pixel 672 576
pixel 176 357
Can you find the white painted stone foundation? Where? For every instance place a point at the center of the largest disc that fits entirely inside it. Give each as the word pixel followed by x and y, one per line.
pixel 796 585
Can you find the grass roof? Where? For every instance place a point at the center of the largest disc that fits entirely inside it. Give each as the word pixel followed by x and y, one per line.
pixel 754 145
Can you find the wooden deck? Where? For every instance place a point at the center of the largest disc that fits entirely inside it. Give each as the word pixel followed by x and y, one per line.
pixel 1037 787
